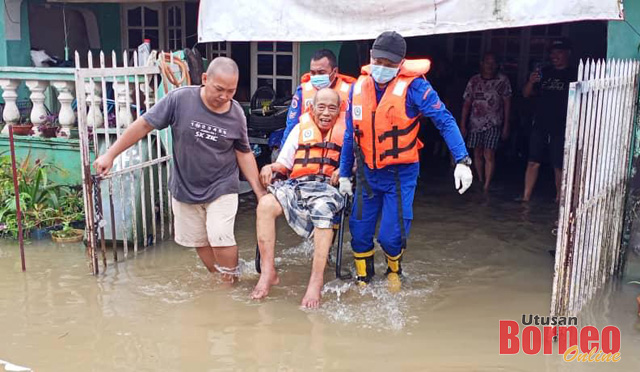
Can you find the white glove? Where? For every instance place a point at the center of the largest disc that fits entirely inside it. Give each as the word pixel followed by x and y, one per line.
pixel 463 177
pixel 345 186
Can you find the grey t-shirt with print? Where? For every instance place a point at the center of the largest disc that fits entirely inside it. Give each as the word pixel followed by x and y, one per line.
pixel 204 144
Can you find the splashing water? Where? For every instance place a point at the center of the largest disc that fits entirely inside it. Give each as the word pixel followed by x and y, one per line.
pixel 371 307
pixel 374 306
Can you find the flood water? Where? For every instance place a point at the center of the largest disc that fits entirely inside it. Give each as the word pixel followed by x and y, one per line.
pixel 471 261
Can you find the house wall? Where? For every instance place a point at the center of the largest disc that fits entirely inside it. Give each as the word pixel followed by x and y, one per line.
pixel 64 153
pixel 623 41
pixel 108 15
pixel 307 50
pixel 15 52
pixel 47 30
pixel 3 43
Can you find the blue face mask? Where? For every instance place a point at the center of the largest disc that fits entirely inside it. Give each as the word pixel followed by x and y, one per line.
pixel 320 81
pixel 382 74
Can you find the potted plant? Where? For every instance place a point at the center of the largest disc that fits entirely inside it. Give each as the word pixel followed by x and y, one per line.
pixel 68 234
pixel 50 127
pixel 44 204
pixel 43 218
pixel 23 128
pixel 71 211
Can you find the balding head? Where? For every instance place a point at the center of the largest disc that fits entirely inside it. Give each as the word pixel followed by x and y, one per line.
pixel 326 109
pixel 220 83
pixel 222 65
pixel 329 93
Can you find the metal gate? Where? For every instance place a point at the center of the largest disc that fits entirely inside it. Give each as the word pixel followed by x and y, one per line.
pixel 600 117
pixel 131 205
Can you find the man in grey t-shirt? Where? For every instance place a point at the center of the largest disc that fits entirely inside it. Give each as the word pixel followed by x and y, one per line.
pixel 210 143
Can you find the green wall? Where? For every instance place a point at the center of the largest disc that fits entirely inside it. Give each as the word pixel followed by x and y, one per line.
pixel 3 44
pixel 307 50
pixel 63 153
pixel 15 52
pixel 108 15
pixel 623 41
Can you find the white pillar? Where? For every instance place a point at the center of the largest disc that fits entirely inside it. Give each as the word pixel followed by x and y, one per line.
pixel 94 101
pixel 38 111
pixel 66 116
pixel 124 109
pixel 10 114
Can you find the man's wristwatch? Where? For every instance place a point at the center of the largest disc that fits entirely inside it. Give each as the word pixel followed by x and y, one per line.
pixel 466 161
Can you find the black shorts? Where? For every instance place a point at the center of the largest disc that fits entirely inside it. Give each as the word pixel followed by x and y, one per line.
pixel 544 145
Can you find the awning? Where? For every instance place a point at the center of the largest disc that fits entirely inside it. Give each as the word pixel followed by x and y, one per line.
pixel 108 1
pixel 314 20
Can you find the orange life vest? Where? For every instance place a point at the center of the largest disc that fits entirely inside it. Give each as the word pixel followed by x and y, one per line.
pixel 317 155
pixel 342 85
pixel 384 132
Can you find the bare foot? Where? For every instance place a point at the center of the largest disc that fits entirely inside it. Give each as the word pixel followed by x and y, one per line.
pixel 265 282
pixel 311 299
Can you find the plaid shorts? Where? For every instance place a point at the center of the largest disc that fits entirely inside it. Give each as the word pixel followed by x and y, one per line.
pixel 487 139
pixel 308 202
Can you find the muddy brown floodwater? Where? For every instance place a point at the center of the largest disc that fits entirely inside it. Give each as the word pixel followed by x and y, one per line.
pixel 471 262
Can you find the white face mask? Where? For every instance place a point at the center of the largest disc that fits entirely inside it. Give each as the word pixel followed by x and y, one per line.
pixel 383 74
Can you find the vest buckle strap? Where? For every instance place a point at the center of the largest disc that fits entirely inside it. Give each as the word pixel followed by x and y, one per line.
pixel 307 151
pixel 395 132
pixel 328 146
pixel 321 161
pixel 397 150
pixel 321 145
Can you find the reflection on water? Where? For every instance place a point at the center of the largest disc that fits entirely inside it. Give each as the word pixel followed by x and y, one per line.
pixel 471 261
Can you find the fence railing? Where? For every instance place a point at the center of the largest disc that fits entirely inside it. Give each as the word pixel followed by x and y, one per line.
pixel 601 111
pixel 131 203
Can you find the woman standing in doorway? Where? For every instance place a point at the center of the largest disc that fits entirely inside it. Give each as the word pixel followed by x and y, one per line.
pixel 487 104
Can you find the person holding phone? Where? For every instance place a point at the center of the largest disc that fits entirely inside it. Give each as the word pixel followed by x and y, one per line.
pixel 551 87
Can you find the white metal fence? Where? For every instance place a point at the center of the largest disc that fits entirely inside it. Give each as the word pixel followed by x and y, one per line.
pixel 600 117
pixel 132 203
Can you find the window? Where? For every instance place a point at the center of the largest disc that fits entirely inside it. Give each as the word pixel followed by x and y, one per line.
pixel 535 41
pixel 517 48
pixel 218 49
pixel 506 44
pixel 143 22
pixel 275 64
pixel 540 38
pixel 175 26
pixel 465 49
pixel 162 23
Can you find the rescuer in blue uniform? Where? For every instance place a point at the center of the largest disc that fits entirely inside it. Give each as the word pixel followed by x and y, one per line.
pixel 385 104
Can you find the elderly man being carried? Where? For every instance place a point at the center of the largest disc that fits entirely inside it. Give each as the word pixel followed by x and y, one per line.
pixel 307 198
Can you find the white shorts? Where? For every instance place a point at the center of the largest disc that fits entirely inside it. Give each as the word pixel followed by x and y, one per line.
pixel 206 225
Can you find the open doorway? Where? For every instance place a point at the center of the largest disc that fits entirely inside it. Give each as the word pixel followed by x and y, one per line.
pixel 456 58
